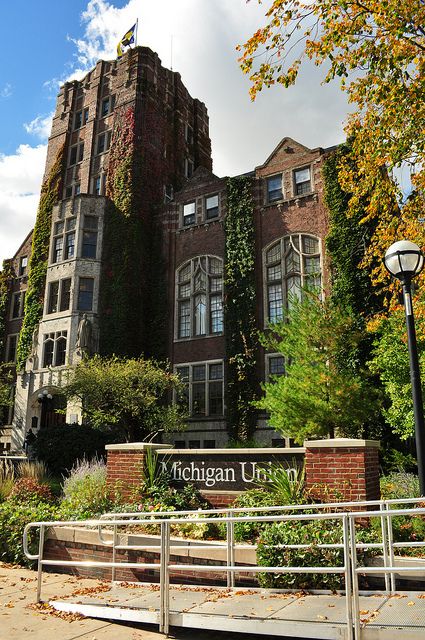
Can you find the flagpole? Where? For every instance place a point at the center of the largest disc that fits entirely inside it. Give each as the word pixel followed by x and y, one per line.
pixel 137 30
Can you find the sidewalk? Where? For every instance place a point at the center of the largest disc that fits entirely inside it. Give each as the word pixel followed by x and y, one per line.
pixel 21 619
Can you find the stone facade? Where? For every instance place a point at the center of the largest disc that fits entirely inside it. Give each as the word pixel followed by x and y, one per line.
pixel 179 197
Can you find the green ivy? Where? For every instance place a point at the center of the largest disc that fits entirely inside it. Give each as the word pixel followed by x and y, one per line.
pixel 346 244
pixel 5 279
pixel 120 318
pixel 50 193
pixel 239 308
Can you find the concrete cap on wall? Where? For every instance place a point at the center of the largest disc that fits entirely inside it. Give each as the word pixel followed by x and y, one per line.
pixel 136 446
pixel 344 443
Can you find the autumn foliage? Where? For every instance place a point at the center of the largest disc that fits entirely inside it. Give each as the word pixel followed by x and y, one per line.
pixel 376 48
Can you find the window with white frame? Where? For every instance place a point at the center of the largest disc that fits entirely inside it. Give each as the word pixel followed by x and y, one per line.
pixel 274 188
pixel 211 207
pixel 302 181
pixel 203 388
pixel 54 349
pixel 291 264
pixel 200 297
pixel 189 212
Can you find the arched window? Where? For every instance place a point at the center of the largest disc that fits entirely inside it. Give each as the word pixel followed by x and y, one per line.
pixel 291 264
pixel 200 297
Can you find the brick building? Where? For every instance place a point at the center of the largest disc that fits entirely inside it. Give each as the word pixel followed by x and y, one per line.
pixel 133 122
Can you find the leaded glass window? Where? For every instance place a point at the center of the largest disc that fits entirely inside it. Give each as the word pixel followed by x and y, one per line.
pixel 199 292
pixel 291 265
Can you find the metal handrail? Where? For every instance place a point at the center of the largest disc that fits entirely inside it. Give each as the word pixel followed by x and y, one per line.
pixel 349 544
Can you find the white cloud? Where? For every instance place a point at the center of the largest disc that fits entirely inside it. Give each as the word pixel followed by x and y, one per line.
pixel 40 126
pixel 20 179
pixel 6 90
pixel 204 36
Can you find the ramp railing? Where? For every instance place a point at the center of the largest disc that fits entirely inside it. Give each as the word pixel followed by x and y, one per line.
pixel 110 528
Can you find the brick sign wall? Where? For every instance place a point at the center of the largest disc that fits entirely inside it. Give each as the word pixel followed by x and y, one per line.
pixel 230 469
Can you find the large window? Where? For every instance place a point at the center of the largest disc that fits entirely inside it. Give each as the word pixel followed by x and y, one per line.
pixel 54 349
pixel 89 245
pixel 211 207
pixel 302 181
pixel 274 188
pixel 18 304
pixel 202 394
pixel 59 297
pixel 291 264
pixel 189 211
pixel 200 297
pixel 63 240
pixel 85 294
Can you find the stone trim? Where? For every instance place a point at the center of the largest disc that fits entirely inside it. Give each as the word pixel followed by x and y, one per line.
pixel 235 451
pixel 340 442
pixel 135 446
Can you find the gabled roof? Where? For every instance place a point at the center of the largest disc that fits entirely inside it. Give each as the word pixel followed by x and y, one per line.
pixel 289 143
pixel 22 244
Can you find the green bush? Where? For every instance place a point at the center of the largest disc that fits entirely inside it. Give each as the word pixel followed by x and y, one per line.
pixel 312 533
pixel 249 531
pixel 14 515
pixel 60 447
pixel 85 491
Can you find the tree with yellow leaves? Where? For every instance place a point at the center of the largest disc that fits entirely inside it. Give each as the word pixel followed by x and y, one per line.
pixel 377 50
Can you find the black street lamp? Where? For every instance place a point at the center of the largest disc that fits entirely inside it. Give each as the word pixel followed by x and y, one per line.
pixel 404 260
pixel 44 399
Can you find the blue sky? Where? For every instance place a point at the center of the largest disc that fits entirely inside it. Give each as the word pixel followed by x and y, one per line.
pixel 46 42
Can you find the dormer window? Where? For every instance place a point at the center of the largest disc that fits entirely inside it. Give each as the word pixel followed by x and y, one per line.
pixel 274 188
pixel 302 181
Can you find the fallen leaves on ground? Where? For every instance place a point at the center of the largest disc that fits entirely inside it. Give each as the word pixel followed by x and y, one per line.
pixel 44 608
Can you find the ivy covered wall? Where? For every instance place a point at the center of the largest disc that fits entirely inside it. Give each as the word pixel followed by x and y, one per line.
pixel 347 241
pixel 5 280
pixel 117 304
pixel 50 194
pixel 239 308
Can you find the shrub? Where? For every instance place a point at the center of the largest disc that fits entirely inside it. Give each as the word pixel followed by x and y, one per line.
pixel 60 447
pixel 14 515
pixel 30 491
pixel 249 531
pixel 285 483
pixel 400 485
pixel 312 533
pixel 85 491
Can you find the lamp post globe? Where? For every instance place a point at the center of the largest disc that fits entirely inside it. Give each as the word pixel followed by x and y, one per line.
pixel 404 260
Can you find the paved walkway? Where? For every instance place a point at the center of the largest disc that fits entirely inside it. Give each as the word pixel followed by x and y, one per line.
pixel 21 619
